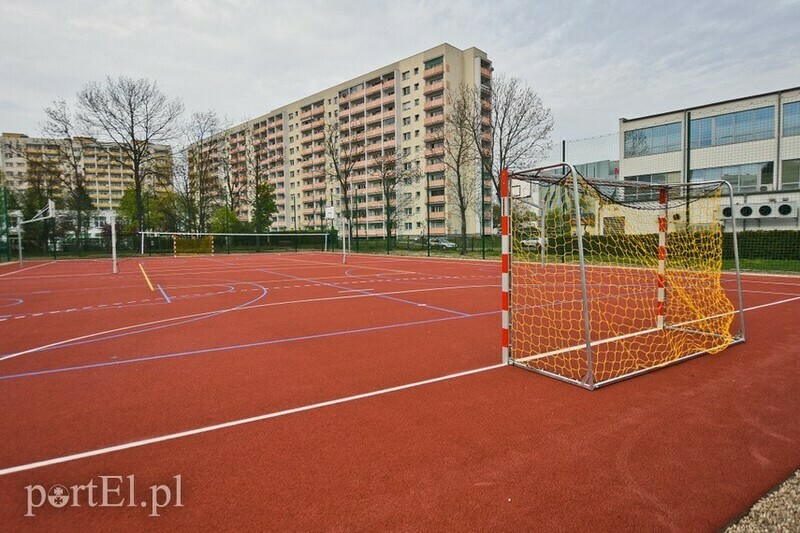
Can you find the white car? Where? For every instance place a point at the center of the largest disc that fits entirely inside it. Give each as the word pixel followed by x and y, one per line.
pixel 531 244
pixel 444 244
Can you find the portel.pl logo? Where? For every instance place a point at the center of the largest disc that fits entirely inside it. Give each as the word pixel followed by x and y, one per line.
pixel 106 491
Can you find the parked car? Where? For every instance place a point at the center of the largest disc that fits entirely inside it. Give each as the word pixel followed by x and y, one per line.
pixel 444 244
pixel 531 244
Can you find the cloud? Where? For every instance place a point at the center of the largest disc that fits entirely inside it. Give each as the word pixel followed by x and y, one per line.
pixel 592 62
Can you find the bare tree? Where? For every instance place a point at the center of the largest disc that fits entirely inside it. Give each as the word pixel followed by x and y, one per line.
pixel 342 154
pixel 460 155
pixel 71 150
pixel 510 126
pixel 202 158
pixel 136 115
pixel 394 171
pixel 228 187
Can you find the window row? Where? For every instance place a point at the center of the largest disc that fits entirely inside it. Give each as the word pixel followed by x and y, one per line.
pixel 741 126
pixel 654 140
pixel 729 128
pixel 743 178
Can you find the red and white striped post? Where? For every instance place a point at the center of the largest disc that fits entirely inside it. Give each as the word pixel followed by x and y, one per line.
pixel 662 258
pixel 505 224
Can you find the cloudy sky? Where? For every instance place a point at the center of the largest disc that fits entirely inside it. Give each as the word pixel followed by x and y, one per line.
pixel 591 62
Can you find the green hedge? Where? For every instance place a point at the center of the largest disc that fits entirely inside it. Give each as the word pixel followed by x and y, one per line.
pixel 775 244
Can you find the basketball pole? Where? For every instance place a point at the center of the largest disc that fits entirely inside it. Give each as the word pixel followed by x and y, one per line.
pixel 114 268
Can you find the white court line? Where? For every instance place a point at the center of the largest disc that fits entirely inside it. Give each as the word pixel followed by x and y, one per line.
pixel 242 421
pixel 231 309
pixel 234 423
pixel 26 268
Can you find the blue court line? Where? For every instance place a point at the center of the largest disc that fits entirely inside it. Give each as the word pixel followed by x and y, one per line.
pixel 248 345
pixel 164 294
pixel 368 293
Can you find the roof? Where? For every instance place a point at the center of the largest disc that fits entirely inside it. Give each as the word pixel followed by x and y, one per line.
pixel 721 102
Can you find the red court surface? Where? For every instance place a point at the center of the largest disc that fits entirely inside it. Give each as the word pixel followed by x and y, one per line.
pixel 292 392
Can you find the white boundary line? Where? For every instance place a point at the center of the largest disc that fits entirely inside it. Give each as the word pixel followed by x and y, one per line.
pixel 26 268
pixel 234 423
pixel 231 309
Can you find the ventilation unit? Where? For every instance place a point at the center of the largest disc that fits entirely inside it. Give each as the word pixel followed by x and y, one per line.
pixel 767 210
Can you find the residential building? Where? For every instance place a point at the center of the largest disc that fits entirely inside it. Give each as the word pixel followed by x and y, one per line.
pixel 752 142
pixel 104 165
pixel 396 111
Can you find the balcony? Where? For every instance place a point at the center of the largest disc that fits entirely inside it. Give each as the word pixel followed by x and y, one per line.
pixel 352 96
pixel 438 183
pixel 438 119
pixel 388 83
pixel 434 87
pixel 434 104
pixel 305 114
pixel 437 215
pixel 432 72
pixel 354 110
pixel 486 72
pixel 372 89
pixel 434 135
pixel 435 167
pixel 437 151
pixel 352 124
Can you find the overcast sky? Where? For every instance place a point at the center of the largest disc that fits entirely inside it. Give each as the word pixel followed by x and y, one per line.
pixel 591 62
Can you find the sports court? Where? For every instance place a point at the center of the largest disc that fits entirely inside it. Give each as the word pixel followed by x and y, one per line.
pixel 292 391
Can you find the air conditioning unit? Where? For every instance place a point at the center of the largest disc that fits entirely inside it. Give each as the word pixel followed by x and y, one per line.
pixel 761 210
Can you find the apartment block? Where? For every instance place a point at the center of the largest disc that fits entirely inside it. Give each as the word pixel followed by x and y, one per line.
pixel 752 142
pixel 104 165
pixel 397 111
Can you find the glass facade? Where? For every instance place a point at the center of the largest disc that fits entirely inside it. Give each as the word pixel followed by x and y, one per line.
pixel 653 140
pixel 741 126
pixel 791 119
pixel 743 178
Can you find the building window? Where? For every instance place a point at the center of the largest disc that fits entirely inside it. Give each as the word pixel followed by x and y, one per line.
pixel 743 178
pixel 653 140
pixel 407 136
pixel 406 75
pixel 614 225
pixel 406 121
pixel 406 106
pixel 790 174
pixel 791 119
pixel 435 62
pixel 416 71
pixel 742 126
pixel 646 194
pixel 406 91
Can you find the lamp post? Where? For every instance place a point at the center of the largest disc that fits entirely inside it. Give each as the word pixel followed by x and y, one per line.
pixel 483 206
pixel 428 210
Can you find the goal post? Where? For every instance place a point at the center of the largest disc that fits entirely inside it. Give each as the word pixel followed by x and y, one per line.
pixel 606 279
pixel 181 243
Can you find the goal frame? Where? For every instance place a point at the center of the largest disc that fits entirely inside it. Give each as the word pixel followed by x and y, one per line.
pixel 507 265
pixel 214 235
